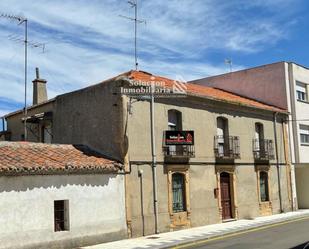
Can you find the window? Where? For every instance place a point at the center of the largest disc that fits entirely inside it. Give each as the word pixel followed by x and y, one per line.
pixel 301 92
pixel 264 186
pixel 174 124
pixel 61 215
pixel 304 134
pixel 174 120
pixel 259 137
pixel 178 188
pixel 222 135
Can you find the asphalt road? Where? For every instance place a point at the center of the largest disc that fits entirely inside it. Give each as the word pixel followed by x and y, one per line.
pixel 294 235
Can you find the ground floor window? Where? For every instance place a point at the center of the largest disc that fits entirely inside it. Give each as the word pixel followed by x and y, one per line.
pixel 61 215
pixel 264 191
pixel 179 196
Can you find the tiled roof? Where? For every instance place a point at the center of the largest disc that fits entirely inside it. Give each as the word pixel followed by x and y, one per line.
pixel 38 158
pixel 203 91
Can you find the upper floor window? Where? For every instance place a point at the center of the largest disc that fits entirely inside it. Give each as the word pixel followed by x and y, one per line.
pixel 259 131
pixel 259 136
pixel 304 134
pixel 222 127
pixel 222 135
pixel 301 92
pixel 174 120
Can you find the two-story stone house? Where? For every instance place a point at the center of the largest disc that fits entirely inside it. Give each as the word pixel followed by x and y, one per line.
pixel 219 156
pixel 286 85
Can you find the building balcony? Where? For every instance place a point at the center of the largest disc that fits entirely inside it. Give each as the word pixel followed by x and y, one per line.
pixel 227 147
pixel 179 151
pixel 263 149
pixel 178 146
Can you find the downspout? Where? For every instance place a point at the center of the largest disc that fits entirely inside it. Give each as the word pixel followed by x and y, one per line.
pixel 154 159
pixel 277 160
pixel 287 163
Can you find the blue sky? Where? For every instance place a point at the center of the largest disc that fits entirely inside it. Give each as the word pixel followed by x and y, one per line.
pixel 87 41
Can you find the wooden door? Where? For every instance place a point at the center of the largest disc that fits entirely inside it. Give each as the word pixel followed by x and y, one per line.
pixel 226 202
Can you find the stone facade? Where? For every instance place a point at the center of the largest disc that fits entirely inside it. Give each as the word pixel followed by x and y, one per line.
pixel 98 116
pixel 278 84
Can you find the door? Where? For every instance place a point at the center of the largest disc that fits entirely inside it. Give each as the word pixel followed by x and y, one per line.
pixel 226 202
pixel 179 201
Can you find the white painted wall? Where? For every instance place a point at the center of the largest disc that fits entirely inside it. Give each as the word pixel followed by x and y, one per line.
pixel 302 184
pixel 301 74
pixel 97 208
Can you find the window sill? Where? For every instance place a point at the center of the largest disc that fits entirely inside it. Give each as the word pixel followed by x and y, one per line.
pixel 302 144
pixel 303 101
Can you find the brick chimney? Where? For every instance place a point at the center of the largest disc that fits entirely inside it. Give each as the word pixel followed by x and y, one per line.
pixel 39 89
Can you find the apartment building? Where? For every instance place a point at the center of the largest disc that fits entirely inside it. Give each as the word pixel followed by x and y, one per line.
pixel 219 156
pixel 286 85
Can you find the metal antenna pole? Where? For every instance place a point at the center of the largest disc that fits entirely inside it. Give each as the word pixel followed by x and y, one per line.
pixel 230 63
pixel 133 4
pixel 26 74
pixel 135 36
pixel 24 20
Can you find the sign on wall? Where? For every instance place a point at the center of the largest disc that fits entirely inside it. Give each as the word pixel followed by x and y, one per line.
pixel 179 137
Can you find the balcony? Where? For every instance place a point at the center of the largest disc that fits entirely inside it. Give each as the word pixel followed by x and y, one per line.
pixel 227 147
pixel 179 151
pixel 178 146
pixel 263 149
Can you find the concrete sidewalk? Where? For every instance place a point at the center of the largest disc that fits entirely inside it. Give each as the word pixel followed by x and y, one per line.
pixel 166 240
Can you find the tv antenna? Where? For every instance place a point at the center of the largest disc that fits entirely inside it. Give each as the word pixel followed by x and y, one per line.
pixel 229 62
pixel 23 20
pixel 133 4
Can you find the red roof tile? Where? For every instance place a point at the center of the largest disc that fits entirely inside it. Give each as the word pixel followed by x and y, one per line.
pixel 25 157
pixel 203 91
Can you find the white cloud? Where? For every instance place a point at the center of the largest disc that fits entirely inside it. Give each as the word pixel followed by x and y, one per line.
pixel 88 41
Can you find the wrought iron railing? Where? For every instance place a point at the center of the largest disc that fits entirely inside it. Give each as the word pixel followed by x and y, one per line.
pixel 179 151
pixel 227 147
pixel 263 149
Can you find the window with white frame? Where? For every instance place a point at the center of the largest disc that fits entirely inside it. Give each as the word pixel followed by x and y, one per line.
pixel 301 92
pixel 304 134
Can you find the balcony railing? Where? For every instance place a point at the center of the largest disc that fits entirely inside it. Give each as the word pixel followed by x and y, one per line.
pixel 179 151
pixel 227 147
pixel 263 149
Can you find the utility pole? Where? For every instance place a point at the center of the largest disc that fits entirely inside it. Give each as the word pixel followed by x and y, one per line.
pixel 133 4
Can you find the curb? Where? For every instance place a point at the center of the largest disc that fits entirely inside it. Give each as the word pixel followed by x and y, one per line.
pixel 264 225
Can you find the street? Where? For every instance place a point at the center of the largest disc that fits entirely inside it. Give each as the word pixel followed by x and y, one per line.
pixel 292 235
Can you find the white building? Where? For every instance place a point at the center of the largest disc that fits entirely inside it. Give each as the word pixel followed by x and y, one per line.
pixel 59 196
pixel 285 85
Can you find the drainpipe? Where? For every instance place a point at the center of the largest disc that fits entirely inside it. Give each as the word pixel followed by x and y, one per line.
pixel 277 160
pixel 154 159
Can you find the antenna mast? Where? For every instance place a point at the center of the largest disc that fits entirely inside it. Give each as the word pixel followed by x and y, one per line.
pixel 23 20
pixel 230 63
pixel 133 4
